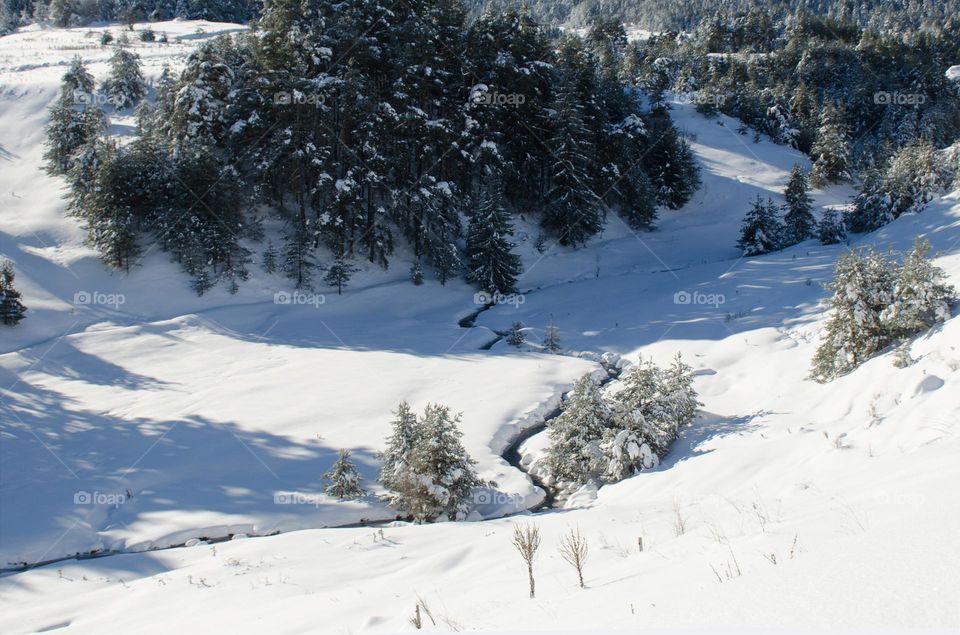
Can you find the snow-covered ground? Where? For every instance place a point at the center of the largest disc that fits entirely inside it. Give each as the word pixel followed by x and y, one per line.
pixel 787 505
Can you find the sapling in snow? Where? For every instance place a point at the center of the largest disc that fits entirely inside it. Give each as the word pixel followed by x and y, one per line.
pixel 527 540
pixel 12 309
pixel 344 479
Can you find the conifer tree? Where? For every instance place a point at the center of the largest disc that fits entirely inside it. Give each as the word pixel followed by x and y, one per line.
pixel 799 223
pixel 516 335
pixel 338 274
pixel 125 86
pixel 673 170
pixel 12 309
pixel 575 454
pixel 761 229
pixel 490 263
pixel 921 295
pixel 343 479
pixel 551 338
pixel 74 119
pixel 831 151
pixel 395 474
pixel 830 229
pixel 863 287
pixel 572 210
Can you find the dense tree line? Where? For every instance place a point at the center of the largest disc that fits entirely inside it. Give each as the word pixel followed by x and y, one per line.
pixel 66 13
pixel 362 125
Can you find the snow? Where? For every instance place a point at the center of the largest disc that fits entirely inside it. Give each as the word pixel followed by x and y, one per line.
pixel 953 73
pixel 802 506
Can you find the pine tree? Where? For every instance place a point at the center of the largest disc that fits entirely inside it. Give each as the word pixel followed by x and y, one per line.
pixel 74 119
pixel 831 151
pixel 921 296
pixel 641 406
pixel 490 263
pixel 269 259
pixel 12 309
pixel 830 229
pixel 799 223
pixel 426 470
pixel 344 479
pixel 761 229
pixel 395 472
pixel 872 207
pixel 516 336
pixel 338 274
pixel 125 86
pixel 575 454
pixel 551 338
pixel 669 161
pixel 416 274
pixel 680 396
pixel 863 287
pixel 572 210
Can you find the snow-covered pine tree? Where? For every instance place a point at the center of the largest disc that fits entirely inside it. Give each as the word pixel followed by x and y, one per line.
pixel 338 273
pixel 680 397
pixel 625 452
pixel 200 105
pixel 761 229
pixel 343 479
pixel 516 335
pixel 444 474
pixel 572 211
pixel 125 86
pixel 642 407
pixel 269 258
pixel 862 289
pixel 74 119
pixel 416 273
pixel 798 222
pixel 575 455
pixel 551 338
pixel 922 297
pixel 830 229
pixel 872 207
pixel 490 263
pixel 669 161
pixel 404 436
pixel 12 309
pixel 831 151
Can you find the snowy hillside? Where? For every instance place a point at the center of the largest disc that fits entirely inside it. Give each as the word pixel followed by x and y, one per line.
pixel 151 417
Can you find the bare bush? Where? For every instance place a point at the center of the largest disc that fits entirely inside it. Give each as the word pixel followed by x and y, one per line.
pixel 527 540
pixel 573 549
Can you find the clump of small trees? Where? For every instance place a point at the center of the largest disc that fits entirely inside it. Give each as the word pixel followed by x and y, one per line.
pixel 426 470
pixel 573 549
pixel 876 302
pixel 610 438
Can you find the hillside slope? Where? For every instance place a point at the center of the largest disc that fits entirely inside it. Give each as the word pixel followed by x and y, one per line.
pixel 787 504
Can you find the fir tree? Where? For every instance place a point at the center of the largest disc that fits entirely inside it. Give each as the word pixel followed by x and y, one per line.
pixel 74 119
pixel 679 395
pixel 641 406
pixel 921 296
pixel 575 454
pixel 12 309
pixel 338 274
pixel 872 208
pixel 490 263
pixel 516 335
pixel 831 151
pixel 551 338
pixel 761 229
pixel 863 288
pixel 799 223
pixel 416 274
pixel 830 229
pixel 395 473
pixel 125 86
pixel 344 479
pixel 269 259
pixel 572 210
pixel 669 161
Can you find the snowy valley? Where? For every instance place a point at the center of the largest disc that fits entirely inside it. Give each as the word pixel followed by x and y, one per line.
pixel 162 451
